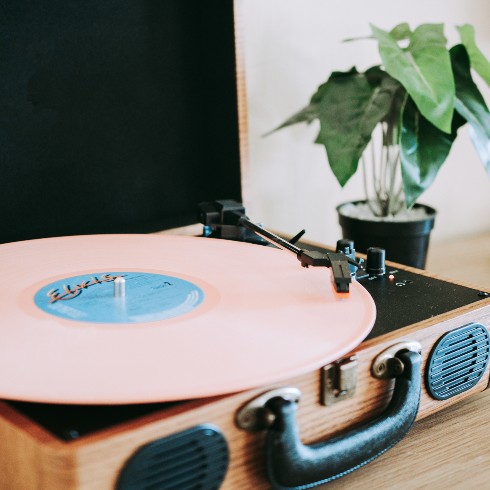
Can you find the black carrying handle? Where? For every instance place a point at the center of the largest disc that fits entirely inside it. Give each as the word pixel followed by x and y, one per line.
pixel 291 465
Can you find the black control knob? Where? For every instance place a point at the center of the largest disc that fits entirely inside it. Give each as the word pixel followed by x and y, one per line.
pixel 345 246
pixel 375 261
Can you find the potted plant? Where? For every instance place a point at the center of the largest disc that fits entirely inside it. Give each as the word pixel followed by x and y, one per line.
pixel 399 120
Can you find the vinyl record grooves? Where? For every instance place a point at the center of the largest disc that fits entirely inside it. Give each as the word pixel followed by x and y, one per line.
pixel 197 317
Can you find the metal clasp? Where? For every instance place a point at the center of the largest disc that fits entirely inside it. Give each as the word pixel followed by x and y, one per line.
pixel 339 380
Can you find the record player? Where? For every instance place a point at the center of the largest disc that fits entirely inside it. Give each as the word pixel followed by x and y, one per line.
pixel 136 360
pixel 184 366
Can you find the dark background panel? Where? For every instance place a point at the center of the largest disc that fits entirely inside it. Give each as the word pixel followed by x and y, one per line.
pixel 115 116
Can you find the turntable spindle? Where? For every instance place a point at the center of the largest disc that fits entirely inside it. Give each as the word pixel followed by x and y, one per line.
pixel 119 287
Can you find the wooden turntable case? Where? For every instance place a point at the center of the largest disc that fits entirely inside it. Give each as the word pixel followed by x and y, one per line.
pixel 33 458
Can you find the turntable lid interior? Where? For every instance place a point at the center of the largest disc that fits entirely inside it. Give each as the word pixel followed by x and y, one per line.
pixel 199 317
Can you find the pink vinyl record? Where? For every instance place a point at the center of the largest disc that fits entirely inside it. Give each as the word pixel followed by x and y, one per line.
pixel 116 319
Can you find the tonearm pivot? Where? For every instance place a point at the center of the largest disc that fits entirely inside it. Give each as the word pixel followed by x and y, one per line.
pixel 231 214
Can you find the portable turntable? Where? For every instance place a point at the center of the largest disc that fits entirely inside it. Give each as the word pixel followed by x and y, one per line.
pixel 139 324
pixel 136 361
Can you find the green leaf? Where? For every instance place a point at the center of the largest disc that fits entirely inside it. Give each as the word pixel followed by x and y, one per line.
pixel 401 32
pixel 376 76
pixel 350 108
pixel 470 104
pixel 309 113
pixel 423 150
pixel 482 147
pixel 478 60
pixel 424 69
pixel 469 101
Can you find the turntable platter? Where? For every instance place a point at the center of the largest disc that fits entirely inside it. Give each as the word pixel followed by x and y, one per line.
pixel 191 317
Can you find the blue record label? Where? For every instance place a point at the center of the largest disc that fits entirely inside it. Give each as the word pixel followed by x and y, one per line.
pixel 147 297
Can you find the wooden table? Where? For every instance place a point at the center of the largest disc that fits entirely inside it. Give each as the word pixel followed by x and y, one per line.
pixel 451 449
pixel 466 259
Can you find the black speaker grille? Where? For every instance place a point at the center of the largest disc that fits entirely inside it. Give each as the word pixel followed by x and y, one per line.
pixel 194 459
pixel 458 361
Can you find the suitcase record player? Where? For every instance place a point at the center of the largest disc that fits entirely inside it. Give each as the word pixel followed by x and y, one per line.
pixel 309 420
pixel 152 361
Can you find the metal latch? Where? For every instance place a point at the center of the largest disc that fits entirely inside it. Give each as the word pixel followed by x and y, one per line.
pixel 339 380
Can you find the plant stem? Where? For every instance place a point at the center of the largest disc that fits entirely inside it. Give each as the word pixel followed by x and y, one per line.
pixel 366 191
pixel 386 189
pixel 373 165
pixel 393 198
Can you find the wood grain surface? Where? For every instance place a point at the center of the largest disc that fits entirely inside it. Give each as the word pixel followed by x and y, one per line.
pixel 465 259
pixel 447 450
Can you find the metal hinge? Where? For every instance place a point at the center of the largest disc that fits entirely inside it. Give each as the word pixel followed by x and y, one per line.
pixel 386 365
pixel 255 415
pixel 339 380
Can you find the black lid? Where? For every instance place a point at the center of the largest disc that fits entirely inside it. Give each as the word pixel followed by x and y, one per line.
pixel 115 116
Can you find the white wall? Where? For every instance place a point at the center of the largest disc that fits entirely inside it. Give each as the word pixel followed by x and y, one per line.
pixel 291 46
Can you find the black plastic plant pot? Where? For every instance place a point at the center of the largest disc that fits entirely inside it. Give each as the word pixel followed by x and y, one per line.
pixel 405 242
